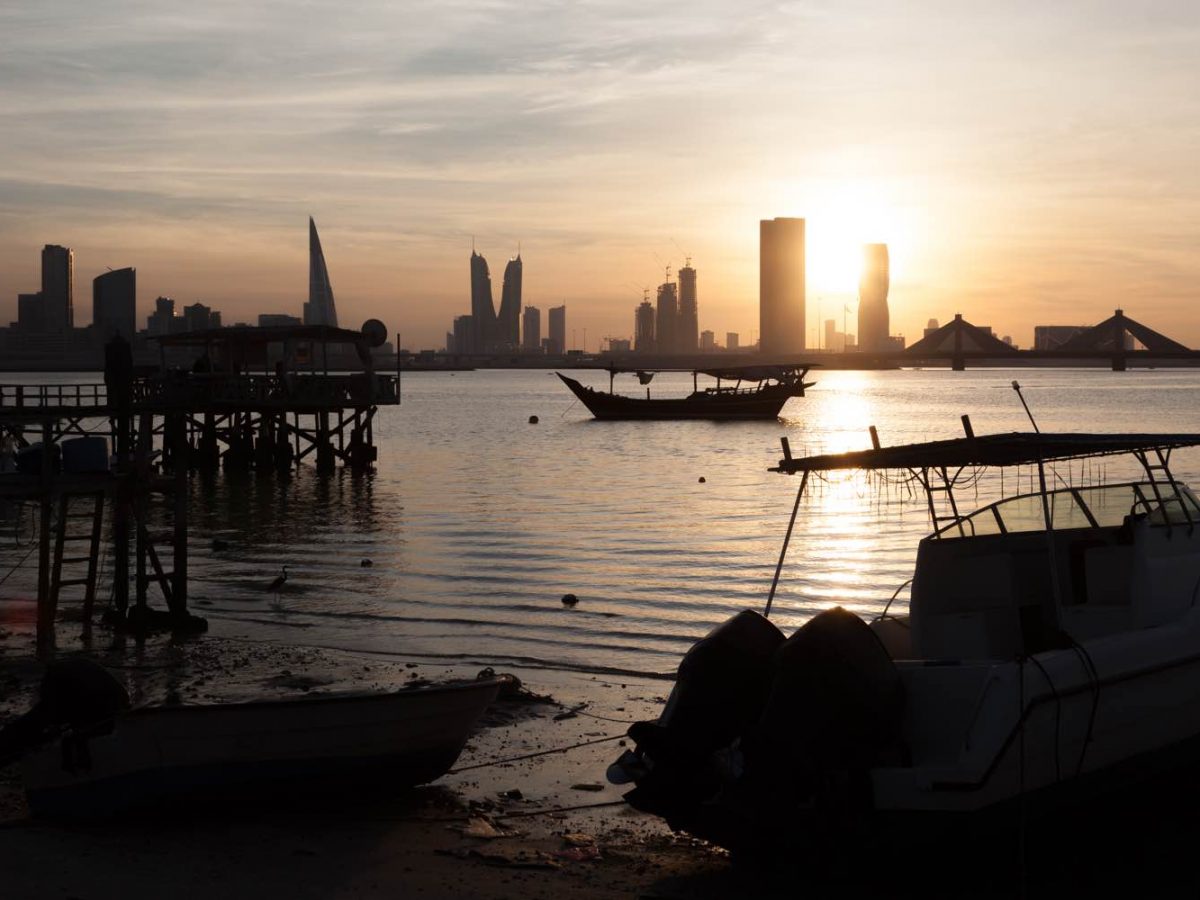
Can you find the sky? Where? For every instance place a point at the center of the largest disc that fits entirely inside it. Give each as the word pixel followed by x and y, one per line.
pixel 1027 163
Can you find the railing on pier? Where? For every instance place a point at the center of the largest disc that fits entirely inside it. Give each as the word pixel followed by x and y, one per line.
pixel 176 390
pixel 287 392
pixel 52 396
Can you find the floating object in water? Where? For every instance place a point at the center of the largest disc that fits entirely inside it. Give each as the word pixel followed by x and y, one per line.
pixel 533 420
pixel 218 545
pixel 569 600
pixel 278 582
pixel 702 479
pixel 366 563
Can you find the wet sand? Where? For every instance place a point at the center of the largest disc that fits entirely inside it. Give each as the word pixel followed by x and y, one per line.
pixel 500 830
pixel 543 827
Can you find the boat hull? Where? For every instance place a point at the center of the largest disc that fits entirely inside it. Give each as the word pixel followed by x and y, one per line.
pixel 391 741
pixel 764 404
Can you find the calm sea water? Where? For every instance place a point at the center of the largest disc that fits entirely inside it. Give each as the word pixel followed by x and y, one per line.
pixel 476 522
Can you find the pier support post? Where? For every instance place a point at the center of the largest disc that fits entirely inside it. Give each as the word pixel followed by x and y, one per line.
pixel 176 435
pixel 325 459
pixel 46 611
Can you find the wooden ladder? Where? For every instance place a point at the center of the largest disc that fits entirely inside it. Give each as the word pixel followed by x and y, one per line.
pixel 90 556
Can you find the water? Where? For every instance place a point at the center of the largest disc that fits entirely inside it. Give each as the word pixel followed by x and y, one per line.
pixel 477 522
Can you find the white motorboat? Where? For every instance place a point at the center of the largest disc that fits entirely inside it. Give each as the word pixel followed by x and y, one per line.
pixel 101 761
pixel 1051 649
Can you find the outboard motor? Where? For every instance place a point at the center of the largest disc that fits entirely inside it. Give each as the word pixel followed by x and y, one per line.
pixel 721 688
pixel 835 705
pixel 77 695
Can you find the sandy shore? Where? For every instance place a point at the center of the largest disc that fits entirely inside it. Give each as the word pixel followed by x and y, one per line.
pixel 491 830
pixel 546 827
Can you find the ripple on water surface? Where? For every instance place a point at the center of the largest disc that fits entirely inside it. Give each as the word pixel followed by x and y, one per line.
pixel 476 522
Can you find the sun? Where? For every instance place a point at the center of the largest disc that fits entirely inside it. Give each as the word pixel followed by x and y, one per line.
pixel 841 217
pixel 840 221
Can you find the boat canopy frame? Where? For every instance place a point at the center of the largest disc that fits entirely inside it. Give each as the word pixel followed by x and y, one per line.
pixel 930 464
pixel 783 373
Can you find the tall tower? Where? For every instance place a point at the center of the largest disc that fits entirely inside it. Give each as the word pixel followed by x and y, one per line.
pixel 781 275
pixel 531 325
pixel 320 309
pixel 58 287
pixel 483 310
pixel 509 324
pixel 114 304
pixel 688 332
pixel 558 329
pixel 643 328
pixel 873 325
pixel 666 327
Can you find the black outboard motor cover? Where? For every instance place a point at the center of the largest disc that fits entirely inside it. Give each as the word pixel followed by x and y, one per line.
pixel 723 682
pixel 836 702
pixel 721 688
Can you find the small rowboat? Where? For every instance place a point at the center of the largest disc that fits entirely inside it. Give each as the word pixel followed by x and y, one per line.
pixel 387 740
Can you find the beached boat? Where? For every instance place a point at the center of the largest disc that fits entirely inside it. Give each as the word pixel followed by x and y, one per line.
pixel 1050 651
pixel 150 755
pixel 770 388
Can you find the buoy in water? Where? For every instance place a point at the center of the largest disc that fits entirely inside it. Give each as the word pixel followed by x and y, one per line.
pixel 366 563
pixel 702 479
pixel 569 600
pixel 533 420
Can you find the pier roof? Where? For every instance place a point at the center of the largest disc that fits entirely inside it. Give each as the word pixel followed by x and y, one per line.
pixel 270 334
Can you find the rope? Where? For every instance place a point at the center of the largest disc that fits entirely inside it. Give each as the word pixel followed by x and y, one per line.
pixel 512 759
pixel 21 562
pixel 560 809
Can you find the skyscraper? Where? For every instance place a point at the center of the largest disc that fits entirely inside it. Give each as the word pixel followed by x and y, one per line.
pixel 688 323
pixel 643 328
pixel 58 287
pixel 509 321
pixel 320 309
pixel 464 334
pixel 114 304
pixel 163 319
pixel 197 317
pixel 731 340
pixel 558 329
pixel 781 274
pixel 483 311
pixel 873 325
pixel 666 325
pixel 531 324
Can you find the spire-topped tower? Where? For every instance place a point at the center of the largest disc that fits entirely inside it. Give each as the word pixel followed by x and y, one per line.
pixel 509 319
pixel 320 308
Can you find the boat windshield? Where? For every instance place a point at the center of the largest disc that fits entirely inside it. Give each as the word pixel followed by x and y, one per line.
pixel 1084 507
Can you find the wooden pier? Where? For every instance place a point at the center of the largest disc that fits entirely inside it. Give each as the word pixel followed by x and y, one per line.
pixel 253 398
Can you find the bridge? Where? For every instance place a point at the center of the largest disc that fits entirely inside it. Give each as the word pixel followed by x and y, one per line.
pixel 958 342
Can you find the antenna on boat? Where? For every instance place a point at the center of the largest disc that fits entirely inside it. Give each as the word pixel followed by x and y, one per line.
pixel 1017 387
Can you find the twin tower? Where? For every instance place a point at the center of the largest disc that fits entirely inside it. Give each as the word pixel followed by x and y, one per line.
pixel 781 290
pixel 492 332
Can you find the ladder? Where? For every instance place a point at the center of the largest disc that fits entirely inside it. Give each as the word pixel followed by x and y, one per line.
pixel 1165 491
pixel 67 540
pixel 946 486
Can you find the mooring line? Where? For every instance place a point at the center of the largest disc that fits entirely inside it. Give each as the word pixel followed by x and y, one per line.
pixel 512 759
